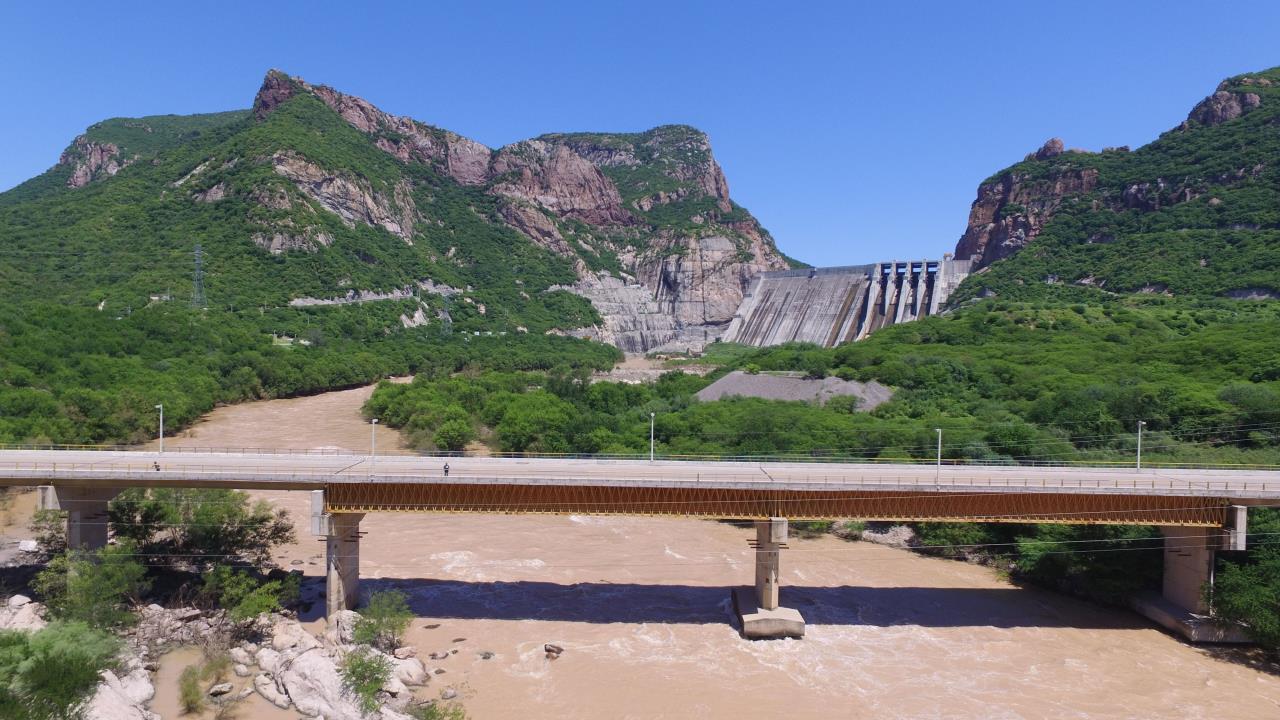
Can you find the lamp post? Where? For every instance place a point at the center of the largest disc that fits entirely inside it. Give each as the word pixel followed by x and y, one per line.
pixel 1141 424
pixel 160 407
pixel 937 478
pixel 373 444
pixel 651 416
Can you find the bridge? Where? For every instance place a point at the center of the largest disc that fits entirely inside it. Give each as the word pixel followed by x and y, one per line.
pixel 1199 511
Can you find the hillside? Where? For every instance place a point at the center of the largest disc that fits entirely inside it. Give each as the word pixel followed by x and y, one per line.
pixel 1191 214
pixel 315 195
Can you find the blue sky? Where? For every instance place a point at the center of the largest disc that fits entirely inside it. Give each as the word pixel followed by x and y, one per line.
pixel 855 132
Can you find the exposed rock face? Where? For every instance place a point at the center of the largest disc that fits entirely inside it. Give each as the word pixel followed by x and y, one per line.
pixel 90 161
pixel 1052 147
pixel 559 180
pixel 696 276
pixel 1222 106
pixel 1010 211
pixel 351 198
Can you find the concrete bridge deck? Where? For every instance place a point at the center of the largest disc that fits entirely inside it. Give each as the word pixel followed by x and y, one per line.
pixel 345 487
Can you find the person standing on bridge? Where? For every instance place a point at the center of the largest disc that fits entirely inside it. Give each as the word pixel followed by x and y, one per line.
pixel 446 469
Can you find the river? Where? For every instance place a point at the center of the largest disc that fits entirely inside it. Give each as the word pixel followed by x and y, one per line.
pixel 640 606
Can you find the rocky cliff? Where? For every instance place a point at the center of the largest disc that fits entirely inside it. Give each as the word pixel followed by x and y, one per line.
pixel 1185 214
pixel 642 210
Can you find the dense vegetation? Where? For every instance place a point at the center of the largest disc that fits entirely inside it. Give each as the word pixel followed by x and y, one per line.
pixel 45 675
pixel 1193 213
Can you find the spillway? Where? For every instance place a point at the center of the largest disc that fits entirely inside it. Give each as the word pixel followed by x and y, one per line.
pixel 829 306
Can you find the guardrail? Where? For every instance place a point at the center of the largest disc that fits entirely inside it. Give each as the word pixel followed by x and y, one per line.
pixel 265 475
pixel 815 457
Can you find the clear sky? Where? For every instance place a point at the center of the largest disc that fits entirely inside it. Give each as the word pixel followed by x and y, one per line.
pixel 855 132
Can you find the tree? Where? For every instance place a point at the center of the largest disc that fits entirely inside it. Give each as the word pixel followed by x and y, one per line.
pixel 243 596
pixel 94 588
pixel 364 672
pixel 201 527
pixel 1250 593
pixel 384 619
pixel 453 435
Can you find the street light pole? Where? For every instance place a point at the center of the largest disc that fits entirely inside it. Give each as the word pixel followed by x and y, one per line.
pixel 651 415
pixel 938 475
pixel 373 444
pixel 1141 424
pixel 160 407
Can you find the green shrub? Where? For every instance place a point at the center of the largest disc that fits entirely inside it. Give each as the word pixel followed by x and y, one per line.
pixel 45 675
pixel 437 711
pixel 384 619
pixel 364 672
pixel 191 690
pixel 243 596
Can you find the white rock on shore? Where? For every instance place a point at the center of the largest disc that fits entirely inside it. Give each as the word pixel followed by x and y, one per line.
pixel 21 613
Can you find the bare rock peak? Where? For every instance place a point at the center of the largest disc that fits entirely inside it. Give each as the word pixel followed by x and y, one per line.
pixel 1221 107
pixel 1053 147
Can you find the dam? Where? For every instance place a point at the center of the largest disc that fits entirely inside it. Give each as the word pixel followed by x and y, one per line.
pixel 829 306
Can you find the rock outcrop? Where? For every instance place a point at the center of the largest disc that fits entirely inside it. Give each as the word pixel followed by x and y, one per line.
pixel 1221 107
pixel 91 161
pixel 657 201
pixel 22 613
pixel 351 199
pixel 1011 210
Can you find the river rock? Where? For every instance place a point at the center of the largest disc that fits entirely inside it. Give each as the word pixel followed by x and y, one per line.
pixel 408 651
pixel 288 635
pixel 266 687
pixel 343 625
pixel 240 656
pixel 314 686
pixel 124 698
pixel 28 546
pixel 448 694
pixel 220 689
pixel 410 671
pixel 21 613
pixel 268 660
pixel 241 670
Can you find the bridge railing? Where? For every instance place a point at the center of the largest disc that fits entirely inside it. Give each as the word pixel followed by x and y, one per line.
pixel 813 457
pixel 266 475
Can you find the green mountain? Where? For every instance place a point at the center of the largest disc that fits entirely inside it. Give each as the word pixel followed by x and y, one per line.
pixel 1195 213
pixel 315 241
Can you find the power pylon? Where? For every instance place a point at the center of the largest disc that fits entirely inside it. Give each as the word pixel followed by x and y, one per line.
pixel 197 290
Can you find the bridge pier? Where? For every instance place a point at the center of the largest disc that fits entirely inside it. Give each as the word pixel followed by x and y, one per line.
pixel 760 613
pixel 86 509
pixel 342 554
pixel 1189 557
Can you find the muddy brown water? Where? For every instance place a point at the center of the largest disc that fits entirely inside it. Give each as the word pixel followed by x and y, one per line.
pixel 640 606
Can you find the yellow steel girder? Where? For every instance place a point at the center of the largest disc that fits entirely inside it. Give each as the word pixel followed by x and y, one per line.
pixel 1011 507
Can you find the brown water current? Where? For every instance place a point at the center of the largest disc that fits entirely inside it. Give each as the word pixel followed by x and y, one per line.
pixel 640 606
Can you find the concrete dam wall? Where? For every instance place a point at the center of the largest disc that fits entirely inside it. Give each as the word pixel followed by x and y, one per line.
pixel 829 306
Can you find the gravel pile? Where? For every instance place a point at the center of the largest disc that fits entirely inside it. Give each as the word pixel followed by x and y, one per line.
pixel 775 386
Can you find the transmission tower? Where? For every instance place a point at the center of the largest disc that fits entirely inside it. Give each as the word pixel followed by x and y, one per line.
pixel 197 290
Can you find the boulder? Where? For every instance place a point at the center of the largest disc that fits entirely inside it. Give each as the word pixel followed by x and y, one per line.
pixel 121 699
pixel 314 686
pixel 266 687
pixel 241 656
pixel 289 635
pixel 20 613
pixel 402 653
pixel 410 671
pixel 241 670
pixel 220 689
pixel 343 624
pixel 28 546
pixel 268 660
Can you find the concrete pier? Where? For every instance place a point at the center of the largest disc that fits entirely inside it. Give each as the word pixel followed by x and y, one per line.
pixel 760 613
pixel 1189 556
pixel 342 554
pixel 86 509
